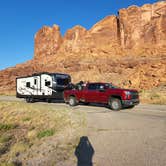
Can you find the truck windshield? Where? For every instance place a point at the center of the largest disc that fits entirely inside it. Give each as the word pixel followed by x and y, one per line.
pixel 109 85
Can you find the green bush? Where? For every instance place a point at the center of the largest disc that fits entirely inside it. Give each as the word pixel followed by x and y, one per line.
pixel 45 133
pixel 5 138
pixel 26 119
pixel 7 126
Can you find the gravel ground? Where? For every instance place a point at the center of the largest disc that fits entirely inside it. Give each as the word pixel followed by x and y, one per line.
pixel 130 137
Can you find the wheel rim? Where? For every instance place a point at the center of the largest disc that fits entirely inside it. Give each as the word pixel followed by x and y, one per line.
pixel 71 101
pixel 115 105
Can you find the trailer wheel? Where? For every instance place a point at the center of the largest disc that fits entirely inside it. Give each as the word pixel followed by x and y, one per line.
pixel 29 100
pixel 115 104
pixel 72 101
pixel 48 100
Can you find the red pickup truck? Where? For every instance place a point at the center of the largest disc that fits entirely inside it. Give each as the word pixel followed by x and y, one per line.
pixel 105 93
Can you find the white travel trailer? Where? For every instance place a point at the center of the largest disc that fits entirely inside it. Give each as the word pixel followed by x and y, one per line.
pixel 45 86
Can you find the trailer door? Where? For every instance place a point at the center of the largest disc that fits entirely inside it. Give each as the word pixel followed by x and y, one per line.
pixel 46 84
pixel 36 85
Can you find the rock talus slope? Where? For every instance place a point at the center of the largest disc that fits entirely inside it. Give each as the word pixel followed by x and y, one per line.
pixel 128 49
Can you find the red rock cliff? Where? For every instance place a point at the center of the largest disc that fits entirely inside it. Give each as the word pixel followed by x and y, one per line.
pixel 47 41
pixel 136 30
pixel 128 49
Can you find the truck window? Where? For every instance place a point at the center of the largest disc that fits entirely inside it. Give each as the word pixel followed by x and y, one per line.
pixel 95 86
pixel 35 81
pixel 110 85
pixel 92 86
pixel 28 84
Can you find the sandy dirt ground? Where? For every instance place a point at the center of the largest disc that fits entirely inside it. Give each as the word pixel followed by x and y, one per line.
pixel 130 137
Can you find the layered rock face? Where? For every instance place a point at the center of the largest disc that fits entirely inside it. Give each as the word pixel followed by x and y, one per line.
pixel 128 49
pixel 144 28
pixel 136 30
pixel 47 42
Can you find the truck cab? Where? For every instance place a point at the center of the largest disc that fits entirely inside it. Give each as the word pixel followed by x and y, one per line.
pixel 105 93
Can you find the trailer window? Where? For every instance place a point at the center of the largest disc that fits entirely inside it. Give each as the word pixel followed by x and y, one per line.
pixel 61 81
pixel 47 83
pixel 35 81
pixel 28 84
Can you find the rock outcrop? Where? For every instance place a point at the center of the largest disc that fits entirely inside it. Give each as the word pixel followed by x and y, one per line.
pixel 144 28
pixel 135 31
pixel 47 41
pixel 128 49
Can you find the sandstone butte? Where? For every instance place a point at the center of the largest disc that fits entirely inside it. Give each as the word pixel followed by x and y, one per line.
pixel 128 49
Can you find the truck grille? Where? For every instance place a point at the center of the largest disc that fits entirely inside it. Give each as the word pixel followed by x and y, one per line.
pixel 134 95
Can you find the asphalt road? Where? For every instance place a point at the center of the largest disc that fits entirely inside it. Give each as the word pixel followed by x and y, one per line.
pixel 130 137
pixel 135 137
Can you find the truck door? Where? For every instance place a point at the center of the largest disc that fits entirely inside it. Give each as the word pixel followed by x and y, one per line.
pixel 91 92
pixel 102 94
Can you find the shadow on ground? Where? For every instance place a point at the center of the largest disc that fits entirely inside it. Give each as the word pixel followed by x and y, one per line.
pixel 84 152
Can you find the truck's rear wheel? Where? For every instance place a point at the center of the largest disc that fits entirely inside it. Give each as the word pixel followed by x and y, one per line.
pixel 115 104
pixel 72 101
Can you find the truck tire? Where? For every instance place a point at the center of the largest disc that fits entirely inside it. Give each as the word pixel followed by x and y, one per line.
pixel 115 104
pixel 72 101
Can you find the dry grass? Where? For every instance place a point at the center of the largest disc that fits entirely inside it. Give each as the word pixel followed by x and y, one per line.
pixel 8 93
pixel 154 96
pixel 23 125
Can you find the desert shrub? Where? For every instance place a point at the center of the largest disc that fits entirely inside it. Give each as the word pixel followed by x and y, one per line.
pixel 6 126
pixel 45 133
pixel 5 138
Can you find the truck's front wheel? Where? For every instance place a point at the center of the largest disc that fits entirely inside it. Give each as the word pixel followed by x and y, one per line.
pixel 72 101
pixel 115 104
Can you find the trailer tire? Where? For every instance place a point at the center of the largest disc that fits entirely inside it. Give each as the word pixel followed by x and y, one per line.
pixel 48 100
pixel 72 101
pixel 27 100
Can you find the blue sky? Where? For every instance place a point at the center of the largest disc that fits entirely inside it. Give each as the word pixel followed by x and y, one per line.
pixel 21 19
